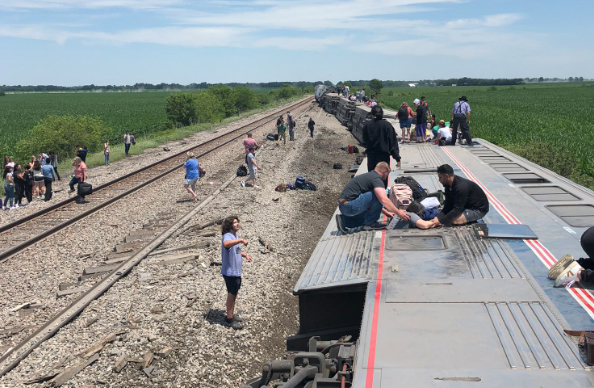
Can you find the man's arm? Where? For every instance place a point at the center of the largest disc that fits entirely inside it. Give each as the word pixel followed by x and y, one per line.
pixel 380 194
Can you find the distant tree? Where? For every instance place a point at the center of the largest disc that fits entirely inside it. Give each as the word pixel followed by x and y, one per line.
pixel 62 133
pixel 245 99
pixel 570 79
pixel 181 109
pixel 2 93
pixel 348 83
pixel 226 96
pixel 376 85
pixel 581 79
pixel 540 79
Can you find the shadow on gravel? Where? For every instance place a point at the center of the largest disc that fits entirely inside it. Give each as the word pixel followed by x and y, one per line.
pixel 216 317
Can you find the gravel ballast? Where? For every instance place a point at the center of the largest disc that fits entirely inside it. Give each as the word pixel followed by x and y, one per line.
pixel 175 310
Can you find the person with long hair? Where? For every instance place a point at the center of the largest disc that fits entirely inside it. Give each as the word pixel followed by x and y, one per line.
pixel 38 182
pixel 32 161
pixel 106 152
pixel 231 268
pixel 8 187
pixel 28 178
pixel 19 185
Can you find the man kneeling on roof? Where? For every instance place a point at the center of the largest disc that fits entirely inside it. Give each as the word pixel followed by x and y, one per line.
pixel 464 201
pixel 364 199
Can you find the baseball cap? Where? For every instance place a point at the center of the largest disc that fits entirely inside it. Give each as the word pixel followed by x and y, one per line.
pixel 416 101
pixel 463 98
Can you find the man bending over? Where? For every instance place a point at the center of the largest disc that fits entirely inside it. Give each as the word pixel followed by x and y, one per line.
pixel 364 199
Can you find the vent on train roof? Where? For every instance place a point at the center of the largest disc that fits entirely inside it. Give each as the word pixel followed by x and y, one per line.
pixel 507 167
pixel 414 243
pixel 484 152
pixel 549 193
pixel 528 177
pixel 495 159
pixel 574 215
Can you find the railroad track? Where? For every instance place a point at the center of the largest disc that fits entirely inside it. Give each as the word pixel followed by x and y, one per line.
pixel 16 236
pixel 21 350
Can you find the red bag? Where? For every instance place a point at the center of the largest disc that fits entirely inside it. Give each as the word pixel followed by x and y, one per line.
pixel 351 149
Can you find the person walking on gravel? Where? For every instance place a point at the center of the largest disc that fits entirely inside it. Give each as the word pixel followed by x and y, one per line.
pixel 54 162
pixel 248 143
pixel 310 125
pixel 252 168
pixel 231 269
pixel 8 187
pixel 282 132
pixel 80 175
pixel 49 176
pixel 291 124
pixel 127 142
pixel 106 152
pixel 192 175
pixel 19 185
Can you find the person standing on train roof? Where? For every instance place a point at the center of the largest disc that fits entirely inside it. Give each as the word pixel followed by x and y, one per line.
pixel 380 140
pixel 364 199
pixel 421 115
pixel 567 271
pixel 464 200
pixel 461 118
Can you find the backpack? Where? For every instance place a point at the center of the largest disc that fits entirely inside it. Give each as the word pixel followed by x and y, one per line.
pixel 359 159
pixel 270 137
pixel 299 182
pixel 132 140
pixel 337 166
pixel 355 150
pixel 242 171
pixel 309 186
pixel 401 195
pixel 402 113
pixel 417 189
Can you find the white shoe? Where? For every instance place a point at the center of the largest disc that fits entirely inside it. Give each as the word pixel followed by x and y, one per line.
pixel 256 187
pixel 12 208
pixel 242 183
pixel 16 206
pixel 569 275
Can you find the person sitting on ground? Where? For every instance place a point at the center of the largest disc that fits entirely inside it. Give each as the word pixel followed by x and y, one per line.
pixel 231 267
pixel 464 200
pixel 567 270
pixel 192 175
pixel 364 199
pixel 252 168
pixel 444 136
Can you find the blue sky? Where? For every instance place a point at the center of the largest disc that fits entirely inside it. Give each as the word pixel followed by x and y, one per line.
pixel 77 42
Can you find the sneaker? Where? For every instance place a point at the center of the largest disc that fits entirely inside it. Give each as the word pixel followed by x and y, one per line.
pixel 237 318
pixel 233 324
pixel 339 224
pixel 569 276
pixel 559 266
pixel 242 183
pixel 12 208
pixel 375 226
pixel 256 187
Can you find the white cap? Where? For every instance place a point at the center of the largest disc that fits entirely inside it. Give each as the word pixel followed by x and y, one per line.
pixel 416 101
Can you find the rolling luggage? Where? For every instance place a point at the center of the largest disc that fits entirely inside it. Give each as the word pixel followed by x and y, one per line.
pixel 85 189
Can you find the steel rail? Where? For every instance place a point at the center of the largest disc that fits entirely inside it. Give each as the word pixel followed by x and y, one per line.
pixel 234 134
pixel 56 322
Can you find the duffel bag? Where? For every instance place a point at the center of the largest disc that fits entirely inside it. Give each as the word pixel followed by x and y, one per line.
pixel 85 189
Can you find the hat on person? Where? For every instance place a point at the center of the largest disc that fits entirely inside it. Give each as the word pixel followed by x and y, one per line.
pixel 416 101
pixel 127 131
pixel 463 98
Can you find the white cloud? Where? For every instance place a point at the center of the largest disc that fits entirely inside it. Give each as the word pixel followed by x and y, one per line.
pixel 82 4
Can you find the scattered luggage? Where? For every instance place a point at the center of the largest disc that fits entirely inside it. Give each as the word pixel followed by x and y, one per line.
pixel 353 168
pixel 85 189
pixel 309 186
pixel 299 182
pixel 355 149
pixel 359 159
pixel 350 149
pixel 242 171
pixel 417 189
pixel 281 188
pixel 401 195
pixel 276 137
pixel 337 166
pixel 270 136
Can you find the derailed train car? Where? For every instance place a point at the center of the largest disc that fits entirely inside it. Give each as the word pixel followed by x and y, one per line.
pixel 447 307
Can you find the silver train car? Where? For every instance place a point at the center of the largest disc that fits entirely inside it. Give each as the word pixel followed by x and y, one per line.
pixel 448 307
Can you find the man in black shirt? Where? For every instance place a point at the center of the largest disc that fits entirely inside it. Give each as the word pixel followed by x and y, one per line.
pixel 464 201
pixel 362 201
pixel 380 140
pixel 421 126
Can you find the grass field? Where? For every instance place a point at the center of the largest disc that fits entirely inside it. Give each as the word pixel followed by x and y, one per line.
pixel 552 125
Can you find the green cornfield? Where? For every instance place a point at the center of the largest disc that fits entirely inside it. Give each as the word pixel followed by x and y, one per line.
pixel 552 125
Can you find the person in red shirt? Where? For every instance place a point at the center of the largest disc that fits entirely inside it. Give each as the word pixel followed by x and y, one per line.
pixel 249 143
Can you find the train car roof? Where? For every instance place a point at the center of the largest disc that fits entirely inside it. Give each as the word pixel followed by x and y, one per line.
pixel 445 307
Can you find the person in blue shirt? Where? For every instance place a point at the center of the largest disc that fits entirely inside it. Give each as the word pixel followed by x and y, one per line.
pixel 231 267
pixel 192 175
pixel 49 176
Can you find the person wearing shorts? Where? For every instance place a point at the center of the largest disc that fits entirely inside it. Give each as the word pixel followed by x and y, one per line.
pixel 231 268
pixel 465 201
pixel 253 168
pixel 282 133
pixel 192 175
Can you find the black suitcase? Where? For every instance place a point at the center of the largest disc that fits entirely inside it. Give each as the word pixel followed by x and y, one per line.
pixel 85 189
